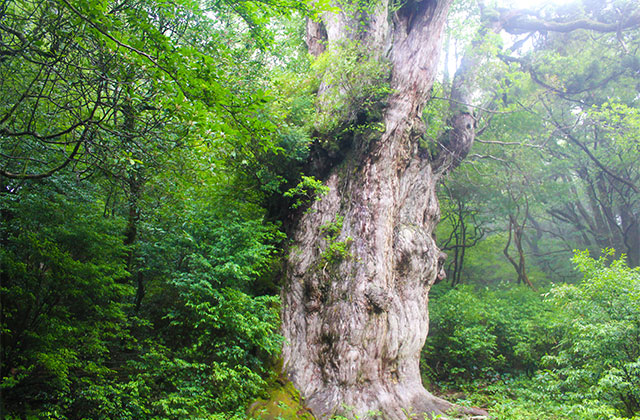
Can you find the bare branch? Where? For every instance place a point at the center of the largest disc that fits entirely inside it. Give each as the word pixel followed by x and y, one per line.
pixel 50 171
pixel 477 156
pixel 509 143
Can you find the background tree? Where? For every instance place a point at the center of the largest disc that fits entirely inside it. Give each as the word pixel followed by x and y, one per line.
pixel 543 121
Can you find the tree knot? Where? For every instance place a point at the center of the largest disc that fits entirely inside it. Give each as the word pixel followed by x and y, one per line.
pixel 379 300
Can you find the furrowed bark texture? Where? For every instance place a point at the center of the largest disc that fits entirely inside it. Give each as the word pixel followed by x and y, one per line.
pixel 355 321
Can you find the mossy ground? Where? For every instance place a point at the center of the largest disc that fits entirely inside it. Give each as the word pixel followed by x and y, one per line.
pixel 284 403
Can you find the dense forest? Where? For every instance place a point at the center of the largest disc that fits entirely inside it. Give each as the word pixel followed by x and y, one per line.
pixel 349 209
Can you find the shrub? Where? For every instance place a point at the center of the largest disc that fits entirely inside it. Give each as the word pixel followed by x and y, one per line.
pixel 482 334
pixel 598 360
pixel 572 353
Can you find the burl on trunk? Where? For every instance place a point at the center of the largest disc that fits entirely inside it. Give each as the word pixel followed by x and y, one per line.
pixel 363 260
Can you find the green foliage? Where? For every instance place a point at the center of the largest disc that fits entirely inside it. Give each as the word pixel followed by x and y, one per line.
pixel 199 346
pixel 620 122
pixel 598 360
pixel 308 189
pixel 335 250
pixel 139 271
pixel 484 334
pixel 331 230
pixel 136 276
pixel 63 300
pixel 525 399
pixel 210 322
pixel 435 118
pixel 558 144
pixel 172 72
pixel 355 90
pixel 572 355
pixel 360 12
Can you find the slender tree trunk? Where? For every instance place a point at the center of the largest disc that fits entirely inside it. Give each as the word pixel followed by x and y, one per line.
pixel 516 230
pixel 134 185
pixel 364 257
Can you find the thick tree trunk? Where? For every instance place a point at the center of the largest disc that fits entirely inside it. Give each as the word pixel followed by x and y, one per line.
pixel 364 258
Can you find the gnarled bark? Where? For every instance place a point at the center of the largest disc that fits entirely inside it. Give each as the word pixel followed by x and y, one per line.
pixel 364 258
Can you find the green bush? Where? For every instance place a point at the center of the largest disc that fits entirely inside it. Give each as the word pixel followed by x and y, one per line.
pixel 63 298
pixel 483 334
pixel 209 338
pixel 74 345
pixel 598 358
pixel 572 353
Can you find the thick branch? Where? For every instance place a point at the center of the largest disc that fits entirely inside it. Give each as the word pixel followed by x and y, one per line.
pixel 515 22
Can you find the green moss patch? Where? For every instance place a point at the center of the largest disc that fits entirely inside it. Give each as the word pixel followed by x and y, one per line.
pixel 284 403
